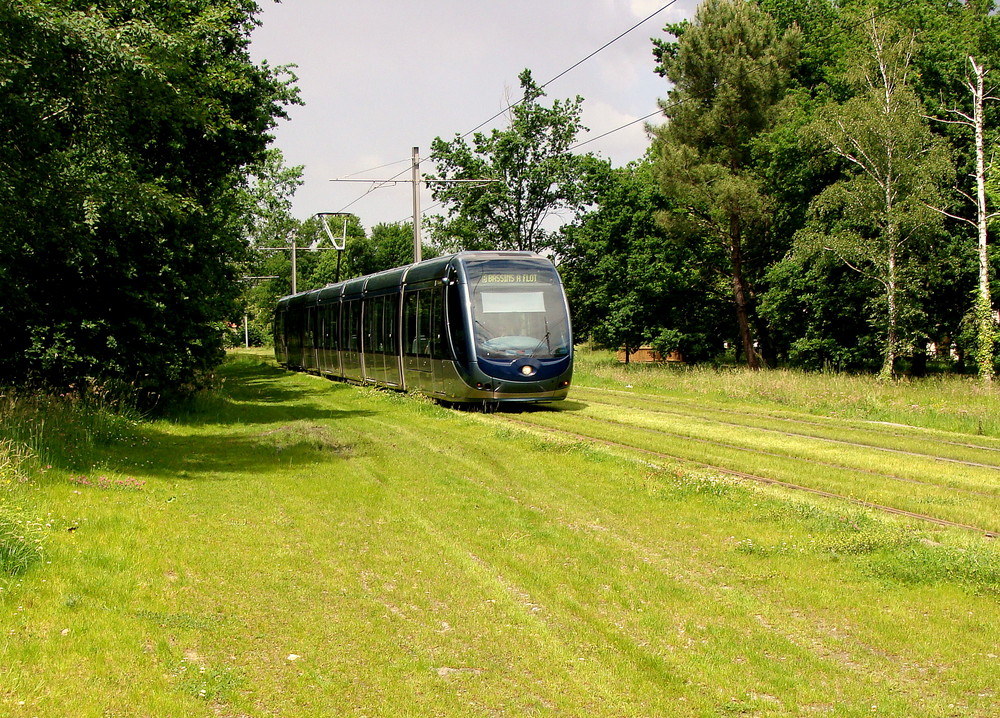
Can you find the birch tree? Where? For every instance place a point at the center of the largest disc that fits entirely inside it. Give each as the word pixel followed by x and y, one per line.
pixel 986 331
pixel 896 168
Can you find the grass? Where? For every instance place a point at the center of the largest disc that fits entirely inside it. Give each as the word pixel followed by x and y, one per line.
pixel 967 494
pixel 290 546
pixel 951 403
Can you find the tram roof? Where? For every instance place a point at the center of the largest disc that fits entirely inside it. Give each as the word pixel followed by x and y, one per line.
pixel 429 269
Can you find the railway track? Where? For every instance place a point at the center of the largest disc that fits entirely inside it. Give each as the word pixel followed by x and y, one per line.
pixel 571 430
pixel 815 462
pixel 916 434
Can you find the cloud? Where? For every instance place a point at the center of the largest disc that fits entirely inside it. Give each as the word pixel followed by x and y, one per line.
pixel 382 76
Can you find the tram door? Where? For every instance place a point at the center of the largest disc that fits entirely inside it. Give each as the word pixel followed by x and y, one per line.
pixel 390 345
pixel 381 342
pixel 350 339
pixel 436 339
pixel 310 342
pixel 329 361
pixel 422 323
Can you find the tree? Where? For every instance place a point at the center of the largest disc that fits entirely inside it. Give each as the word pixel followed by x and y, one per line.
pixel 818 310
pixel 983 309
pixel 897 167
pixel 730 68
pixel 128 132
pixel 393 246
pixel 534 175
pixel 627 282
pixel 269 224
pixel 319 267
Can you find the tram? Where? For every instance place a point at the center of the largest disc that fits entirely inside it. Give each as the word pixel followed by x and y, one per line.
pixel 472 327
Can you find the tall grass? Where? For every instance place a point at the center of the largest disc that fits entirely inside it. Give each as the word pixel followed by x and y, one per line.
pixel 40 433
pixel 20 538
pixel 946 402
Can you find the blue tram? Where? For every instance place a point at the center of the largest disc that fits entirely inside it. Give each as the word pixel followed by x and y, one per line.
pixel 473 327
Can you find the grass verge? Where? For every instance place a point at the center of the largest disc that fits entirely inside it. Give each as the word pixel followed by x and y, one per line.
pixel 295 547
pixel 951 403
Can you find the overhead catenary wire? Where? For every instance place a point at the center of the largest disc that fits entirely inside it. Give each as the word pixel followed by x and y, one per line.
pixel 573 66
pixel 512 105
pixel 665 106
pixel 659 111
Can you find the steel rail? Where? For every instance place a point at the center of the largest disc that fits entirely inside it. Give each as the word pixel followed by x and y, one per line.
pixel 751 477
pixel 870 425
pixel 843 442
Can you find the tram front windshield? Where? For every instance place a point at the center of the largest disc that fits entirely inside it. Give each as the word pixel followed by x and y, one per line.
pixel 518 309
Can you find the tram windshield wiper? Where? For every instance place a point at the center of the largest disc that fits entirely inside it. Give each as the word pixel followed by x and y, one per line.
pixel 544 340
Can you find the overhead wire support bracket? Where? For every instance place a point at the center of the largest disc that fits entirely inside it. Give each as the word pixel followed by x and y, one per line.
pixel 415 182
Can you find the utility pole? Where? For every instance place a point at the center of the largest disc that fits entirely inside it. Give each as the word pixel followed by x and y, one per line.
pixel 294 272
pixel 415 180
pixel 417 244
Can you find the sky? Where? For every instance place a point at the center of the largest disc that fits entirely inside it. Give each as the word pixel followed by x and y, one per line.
pixel 379 77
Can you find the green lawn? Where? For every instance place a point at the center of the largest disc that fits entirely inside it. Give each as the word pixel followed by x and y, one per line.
pixel 296 547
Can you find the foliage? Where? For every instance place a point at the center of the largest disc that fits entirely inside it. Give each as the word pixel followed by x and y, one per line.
pixel 818 314
pixel 730 69
pixel 318 263
pixel 128 133
pixel 870 217
pixel 269 224
pixel 529 172
pixel 629 284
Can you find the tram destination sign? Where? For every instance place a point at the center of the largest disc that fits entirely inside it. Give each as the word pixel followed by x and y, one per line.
pixel 509 278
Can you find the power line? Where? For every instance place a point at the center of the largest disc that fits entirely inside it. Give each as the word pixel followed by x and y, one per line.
pixel 515 104
pixel 573 66
pixel 832 33
pixel 372 169
pixel 611 132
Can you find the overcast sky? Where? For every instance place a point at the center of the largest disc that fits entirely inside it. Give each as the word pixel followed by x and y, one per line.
pixel 380 77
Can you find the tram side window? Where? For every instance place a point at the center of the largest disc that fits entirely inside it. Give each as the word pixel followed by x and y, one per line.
pixel 423 324
pixel 351 325
pixel 389 317
pixel 293 332
pixel 279 328
pixel 410 335
pixel 356 337
pixel 369 314
pixel 333 328
pixel 456 323
pixel 437 322
pixel 375 330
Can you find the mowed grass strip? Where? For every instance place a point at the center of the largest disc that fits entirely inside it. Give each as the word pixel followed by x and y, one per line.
pixel 295 547
pixel 925 467
pixel 918 440
pixel 795 462
pixel 954 404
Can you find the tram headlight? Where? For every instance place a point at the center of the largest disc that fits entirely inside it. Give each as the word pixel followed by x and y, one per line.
pixel 527 370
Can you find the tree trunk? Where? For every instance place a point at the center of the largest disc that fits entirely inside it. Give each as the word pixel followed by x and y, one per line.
pixel 891 340
pixel 986 330
pixel 740 293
